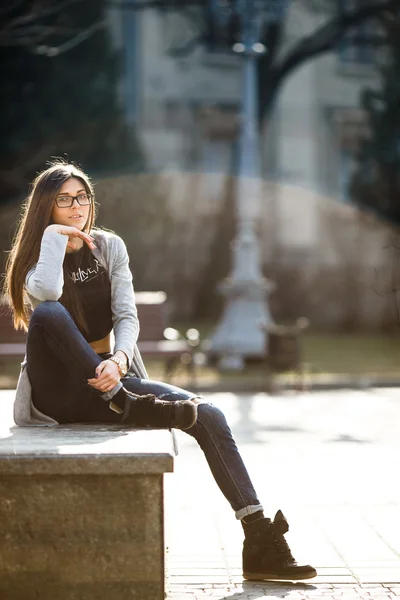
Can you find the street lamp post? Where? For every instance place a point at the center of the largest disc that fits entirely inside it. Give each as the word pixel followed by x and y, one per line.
pixel 241 330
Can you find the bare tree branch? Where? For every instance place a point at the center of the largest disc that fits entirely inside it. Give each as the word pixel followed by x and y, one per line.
pixel 43 14
pixel 163 4
pixel 43 29
pixel 71 43
pixel 328 36
pixel 35 35
pixel 272 38
pixel 30 28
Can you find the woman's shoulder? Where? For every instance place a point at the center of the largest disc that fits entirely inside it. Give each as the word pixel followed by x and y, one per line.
pixel 110 246
pixel 106 236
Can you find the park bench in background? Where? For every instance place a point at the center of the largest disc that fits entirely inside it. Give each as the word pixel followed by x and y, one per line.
pixel 156 339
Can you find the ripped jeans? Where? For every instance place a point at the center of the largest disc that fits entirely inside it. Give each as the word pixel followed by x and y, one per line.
pixel 59 363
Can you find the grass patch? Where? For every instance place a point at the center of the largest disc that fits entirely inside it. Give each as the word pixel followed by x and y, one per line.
pixel 367 354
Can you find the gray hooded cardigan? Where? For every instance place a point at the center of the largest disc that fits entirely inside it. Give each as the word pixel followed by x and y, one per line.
pixel 45 282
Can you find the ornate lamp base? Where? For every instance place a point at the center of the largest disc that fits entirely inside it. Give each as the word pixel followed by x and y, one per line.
pixel 241 332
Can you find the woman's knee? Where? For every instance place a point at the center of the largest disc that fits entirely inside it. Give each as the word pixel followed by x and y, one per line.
pixel 208 414
pixel 48 312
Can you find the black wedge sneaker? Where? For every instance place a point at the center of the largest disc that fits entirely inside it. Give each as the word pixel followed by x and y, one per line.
pixel 266 554
pixel 150 411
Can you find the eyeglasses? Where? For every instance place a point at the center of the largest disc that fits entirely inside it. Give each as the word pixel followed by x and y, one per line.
pixel 67 201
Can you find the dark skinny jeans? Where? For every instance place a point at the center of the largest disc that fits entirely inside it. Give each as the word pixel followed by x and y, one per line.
pixel 59 363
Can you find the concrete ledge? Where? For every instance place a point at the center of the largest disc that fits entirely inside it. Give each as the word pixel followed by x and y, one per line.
pixel 81 512
pixel 85 450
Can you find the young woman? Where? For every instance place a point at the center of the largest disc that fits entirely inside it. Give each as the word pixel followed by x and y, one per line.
pixel 69 285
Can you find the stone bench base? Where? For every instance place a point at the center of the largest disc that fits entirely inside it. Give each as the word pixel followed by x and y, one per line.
pixel 81 513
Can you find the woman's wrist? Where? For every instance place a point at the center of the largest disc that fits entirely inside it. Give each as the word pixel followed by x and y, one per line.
pixel 120 359
pixel 53 227
pixel 122 356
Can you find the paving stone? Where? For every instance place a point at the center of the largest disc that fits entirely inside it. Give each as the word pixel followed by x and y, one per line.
pixel 240 593
pixel 344 515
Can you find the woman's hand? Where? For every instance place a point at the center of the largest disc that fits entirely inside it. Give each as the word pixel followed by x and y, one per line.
pixel 107 376
pixel 72 232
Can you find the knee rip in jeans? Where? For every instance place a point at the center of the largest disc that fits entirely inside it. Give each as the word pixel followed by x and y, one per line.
pixel 198 400
pixel 170 396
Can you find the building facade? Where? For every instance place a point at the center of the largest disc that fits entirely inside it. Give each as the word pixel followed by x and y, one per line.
pixel 185 107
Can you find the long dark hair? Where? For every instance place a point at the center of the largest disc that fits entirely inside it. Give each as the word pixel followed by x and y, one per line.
pixel 24 253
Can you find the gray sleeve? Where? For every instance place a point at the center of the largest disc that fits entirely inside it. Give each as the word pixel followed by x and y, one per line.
pixel 125 319
pixel 45 280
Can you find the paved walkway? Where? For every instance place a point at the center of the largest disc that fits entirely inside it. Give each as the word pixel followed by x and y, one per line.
pixel 331 461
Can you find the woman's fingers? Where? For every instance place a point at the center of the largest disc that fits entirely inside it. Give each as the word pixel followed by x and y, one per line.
pixel 107 376
pixel 99 370
pixel 72 232
pixel 107 388
pixel 103 386
pixel 86 238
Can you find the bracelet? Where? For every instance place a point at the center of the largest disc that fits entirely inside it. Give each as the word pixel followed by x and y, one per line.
pixel 122 368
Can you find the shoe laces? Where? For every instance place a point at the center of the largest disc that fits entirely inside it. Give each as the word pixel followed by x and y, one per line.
pixel 282 545
pixel 271 533
pixel 279 527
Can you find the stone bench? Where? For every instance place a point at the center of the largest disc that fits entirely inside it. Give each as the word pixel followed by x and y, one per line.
pixel 81 512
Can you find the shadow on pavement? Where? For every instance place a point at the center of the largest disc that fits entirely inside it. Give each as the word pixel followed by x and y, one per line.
pixel 273 588
pixel 345 437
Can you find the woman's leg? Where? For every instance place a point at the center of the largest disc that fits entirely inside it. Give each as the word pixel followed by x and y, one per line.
pixel 214 436
pixel 59 362
pixel 266 554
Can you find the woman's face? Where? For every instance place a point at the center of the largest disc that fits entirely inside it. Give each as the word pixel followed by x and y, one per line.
pixel 75 215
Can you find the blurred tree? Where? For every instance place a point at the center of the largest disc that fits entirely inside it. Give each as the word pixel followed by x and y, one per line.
pixel 341 18
pixel 40 26
pixel 376 182
pixel 221 29
pixel 45 27
pixel 59 102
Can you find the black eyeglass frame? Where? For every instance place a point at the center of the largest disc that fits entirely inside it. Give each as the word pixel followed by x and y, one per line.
pixel 73 198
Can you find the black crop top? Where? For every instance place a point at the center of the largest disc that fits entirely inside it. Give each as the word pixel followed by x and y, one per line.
pixel 94 288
